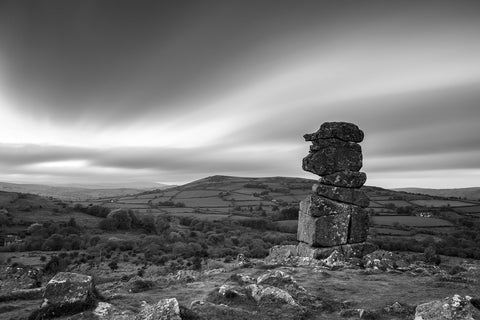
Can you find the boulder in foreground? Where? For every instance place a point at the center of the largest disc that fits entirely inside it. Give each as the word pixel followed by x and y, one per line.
pixel 450 308
pixel 66 293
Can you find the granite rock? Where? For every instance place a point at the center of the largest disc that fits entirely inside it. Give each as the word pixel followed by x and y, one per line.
pixel 333 159
pixel 340 130
pixel 320 144
pixel 345 195
pixel 318 206
pixel 358 226
pixel 347 179
pixel 450 308
pixel 268 294
pixel 324 231
pixel 165 309
pixel 67 288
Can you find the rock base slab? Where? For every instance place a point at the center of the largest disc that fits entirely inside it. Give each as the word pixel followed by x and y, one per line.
pixel 323 231
pixel 357 250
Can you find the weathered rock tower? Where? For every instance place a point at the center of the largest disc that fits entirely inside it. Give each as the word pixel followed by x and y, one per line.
pixel 333 216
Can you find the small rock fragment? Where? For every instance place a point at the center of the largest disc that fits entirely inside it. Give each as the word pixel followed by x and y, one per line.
pixel 165 309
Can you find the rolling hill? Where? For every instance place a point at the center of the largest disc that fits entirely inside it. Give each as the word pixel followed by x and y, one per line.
pixel 461 193
pixel 394 213
pixel 205 224
pixel 78 192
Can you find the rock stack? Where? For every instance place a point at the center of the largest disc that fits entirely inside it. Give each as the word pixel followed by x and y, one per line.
pixel 333 216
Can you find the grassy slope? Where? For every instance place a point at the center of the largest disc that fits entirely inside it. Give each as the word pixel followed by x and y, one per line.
pixel 223 197
pixel 469 193
pixel 66 193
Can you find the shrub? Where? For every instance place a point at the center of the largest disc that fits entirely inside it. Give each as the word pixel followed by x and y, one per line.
pixel 138 284
pixel 54 242
pixel 108 224
pixel 56 264
pixel 456 269
pixel 162 224
pixel 122 217
pixel 431 256
pixel 290 213
pixel 148 223
pixel 113 265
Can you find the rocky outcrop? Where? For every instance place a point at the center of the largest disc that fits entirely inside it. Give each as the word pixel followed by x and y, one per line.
pixel 165 309
pixel 304 254
pixel 269 294
pixel 450 308
pixel 347 179
pixel 66 293
pixel 334 214
pixel 342 194
pixel 338 130
pixel 106 311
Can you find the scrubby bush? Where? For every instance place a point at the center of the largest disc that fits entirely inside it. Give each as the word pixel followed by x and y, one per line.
pixel 456 269
pixel 122 218
pixel 56 264
pixel 107 224
pixel 431 256
pixel 113 265
pixel 162 224
pixel 93 210
pixel 290 213
pixel 53 243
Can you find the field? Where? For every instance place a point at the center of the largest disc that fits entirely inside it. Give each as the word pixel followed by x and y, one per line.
pixel 231 198
pixel 390 231
pixel 396 203
pixel 470 209
pixel 442 203
pixel 221 197
pixel 411 221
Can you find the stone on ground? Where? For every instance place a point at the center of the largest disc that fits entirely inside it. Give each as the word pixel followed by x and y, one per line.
pixel 269 294
pixel 165 309
pixel 450 308
pixel 67 291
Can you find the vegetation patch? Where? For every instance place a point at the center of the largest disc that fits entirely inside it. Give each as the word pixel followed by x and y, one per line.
pixel 441 203
pixel 412 221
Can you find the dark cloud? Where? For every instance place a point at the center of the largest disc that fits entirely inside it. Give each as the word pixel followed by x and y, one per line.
pixel 174 90
pixel 117 59
pixel 157 161
pixel 413 123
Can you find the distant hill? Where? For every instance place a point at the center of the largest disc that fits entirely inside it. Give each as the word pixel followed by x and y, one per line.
pixel 139 185
pixel 468 193
pixel 76 192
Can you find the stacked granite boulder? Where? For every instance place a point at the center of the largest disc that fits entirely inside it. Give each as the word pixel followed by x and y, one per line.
pixel 334 215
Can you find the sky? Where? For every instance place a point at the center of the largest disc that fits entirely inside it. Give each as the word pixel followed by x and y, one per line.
pixel 174 91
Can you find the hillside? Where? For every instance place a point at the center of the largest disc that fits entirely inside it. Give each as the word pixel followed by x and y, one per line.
pixel 185 242
pixel 80 192
pixel 394 213
pixel 459 193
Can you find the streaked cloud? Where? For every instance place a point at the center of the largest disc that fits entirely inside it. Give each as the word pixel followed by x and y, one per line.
pixel 117 90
